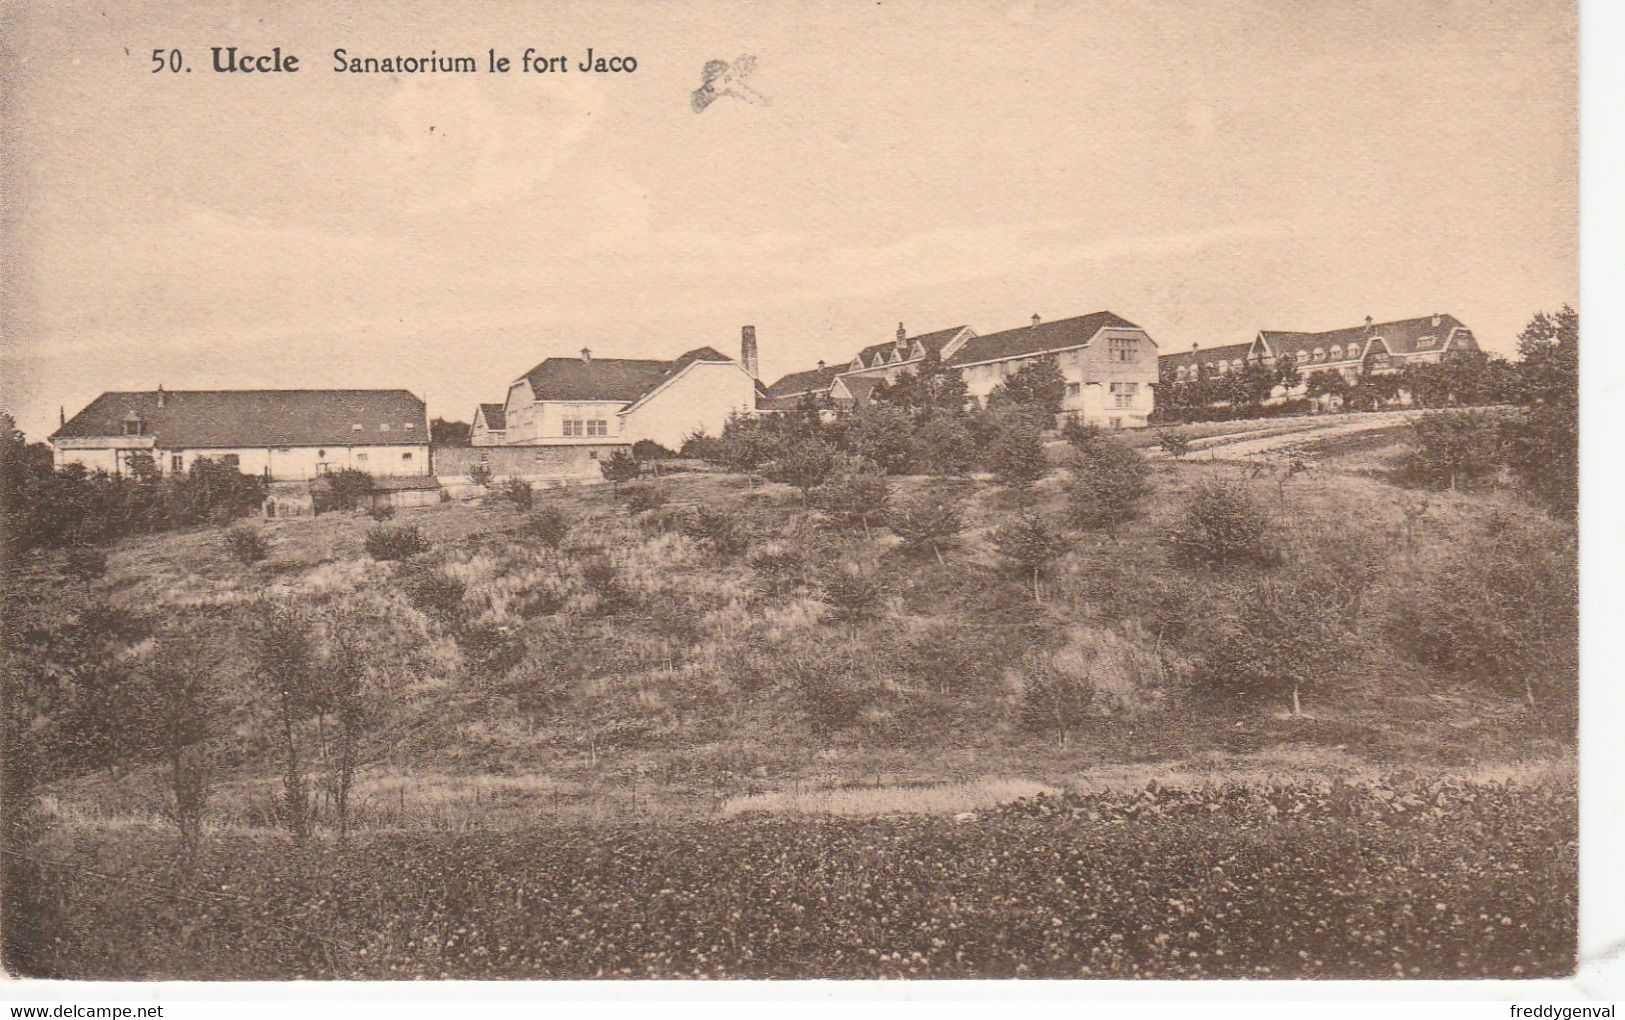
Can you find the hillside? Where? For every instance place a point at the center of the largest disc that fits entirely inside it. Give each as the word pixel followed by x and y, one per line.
pixel 638 668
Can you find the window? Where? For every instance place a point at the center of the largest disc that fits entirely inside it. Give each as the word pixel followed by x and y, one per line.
pixel 356 427
pixel 134 426
pixel 230 460
pixel 1179 373
pixel 1122 349
pixel 406 456
pixel 586 427
pixel 1354 350
pixel 598 427
pixel 1073 389
pixel 1116 423
pixel 383 426
pixel 1123 393
pixel 1337 353
pixel 409 426
pixel 1320 354
pixel 592 454
pixel 361 457
pixel 177 463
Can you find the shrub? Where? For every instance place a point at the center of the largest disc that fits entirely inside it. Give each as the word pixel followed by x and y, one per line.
pixel 1032 545
pixel 518 492
pixel 853 592
pixel 85 563
pixel 602 577
pixel 884 436
pixel 648 449
pixel 801 461
pixel 480 474
pixel 1502 609
pixel 927 522
pixel 779 568
pixel 434 593
pixel 854 497
pixel 1017 455
pixel 944 445
pixel 1451 448
pixel 1057 693
pixel 620 466
pixel 245 545
pixel 1223 526
pixel 640 497
pixel 548 526
pixel 490 651
pixel 703 447
pixel 348 488
pixel 1174 443
pixel 381 512
pixel 387 543
pixel 725 534
pixel 1108 481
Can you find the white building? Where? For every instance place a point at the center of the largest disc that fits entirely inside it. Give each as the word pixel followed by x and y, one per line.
pixel 599 402
pixel 281 435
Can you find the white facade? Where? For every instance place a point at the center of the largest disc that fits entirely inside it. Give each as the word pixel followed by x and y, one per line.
pixel 295 463
pixel 1107 384
pixel 698 399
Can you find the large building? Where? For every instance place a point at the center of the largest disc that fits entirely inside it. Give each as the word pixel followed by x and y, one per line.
pixel 598 403
pixel 281 435
pixel 1109 363
pixel 1372 349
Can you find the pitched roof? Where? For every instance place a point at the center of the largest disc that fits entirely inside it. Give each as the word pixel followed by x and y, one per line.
pixel 622 380
pixel 1403 336
pixel 231 419
pixel 815 379
pixel 496 417
pixel 860 386
pixel 1224 352
pixel 1045 336
pixel 932 341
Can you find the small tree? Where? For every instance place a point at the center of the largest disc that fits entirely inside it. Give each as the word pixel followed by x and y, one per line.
pixel 1174 443
pixel 853 592
pixel 1038 385
pixel 640 497
pixel 518 492
pixel 434 593
pixel 619 467
pixel 1017 455
pixel 548 526
pixel 1452 448
pixel 286 668
pixel 245 545
pixel 803 462
pixel 927 522
pixel 349 488
pixel 1108 481
pixel 883 434
pixel 1055 694
pixel 179 717
pixel 944 445
pixel 1032 545
pixel 854 497
pixel 344 692
pixel 480 474
pixel 395 543
pixel 1223 526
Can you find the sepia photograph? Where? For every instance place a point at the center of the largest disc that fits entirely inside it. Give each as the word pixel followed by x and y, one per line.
pixel 839 491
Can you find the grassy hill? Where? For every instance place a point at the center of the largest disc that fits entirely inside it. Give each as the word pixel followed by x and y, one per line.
pixel 640 668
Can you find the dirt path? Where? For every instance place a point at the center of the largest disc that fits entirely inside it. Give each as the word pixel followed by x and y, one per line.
pixel 1264 440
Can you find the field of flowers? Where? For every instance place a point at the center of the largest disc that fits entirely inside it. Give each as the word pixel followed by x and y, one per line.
pixel 1416 879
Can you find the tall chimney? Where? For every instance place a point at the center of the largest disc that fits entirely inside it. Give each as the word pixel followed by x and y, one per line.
pixel 1435 320
pixel 61 415
pixel 1036 320
pixel 1368 322
pixel 820 364
pixel 160 394
pixel 747 350
pixel 586 354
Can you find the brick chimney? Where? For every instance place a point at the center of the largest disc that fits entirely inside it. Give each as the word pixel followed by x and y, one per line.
pixel 1368 321
pixel 586 354
pixel 747 350
pixel 1435 320
pixel 61 416
pixel 161 397
pixel 1036 319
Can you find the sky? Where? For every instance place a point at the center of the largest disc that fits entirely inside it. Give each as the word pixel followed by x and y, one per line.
pixel 1205 169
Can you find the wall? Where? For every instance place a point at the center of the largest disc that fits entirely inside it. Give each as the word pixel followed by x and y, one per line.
pixel 698 400
pixel 285 463
pixel 536 463
pixel 1089 372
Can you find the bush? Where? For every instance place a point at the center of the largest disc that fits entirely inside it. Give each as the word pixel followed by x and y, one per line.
pixel 884 436
pixel 648 449
pixel 700 446
pixel 1017 455
pixel 853 592
pixel 1032 545
pixel 1108 481
pixel 718 528
pixel 480 474
pixel 944 445
pixel 348 489
pixel 620 466
pixel 1223 526
pixel 640 497
pixel 1174 443
pixel 246 545
pixel 548 526
pixel 1057 693
pixel 85 563
pixel 779 568
pixel 387 543
pixel 490 651
pixel 434 593
pixel 518 492
pixel 381 512
pixel 603 578
pixel 853 497
pixel 927 522
pixel 801 461
pixel 1453 448
pixel 1502 609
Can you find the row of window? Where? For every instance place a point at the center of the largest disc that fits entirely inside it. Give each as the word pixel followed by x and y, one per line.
pixel 586 427
pixel 1212 368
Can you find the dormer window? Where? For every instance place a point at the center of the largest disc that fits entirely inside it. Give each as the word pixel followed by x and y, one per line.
pixel 409 426
pixel 1320 354
pixel 134 426
pixel 383 426
pixel 356 427
pixel 1337 352
pixel 1354 350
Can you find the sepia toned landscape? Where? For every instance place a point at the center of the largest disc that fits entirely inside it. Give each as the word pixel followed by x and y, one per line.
pixel 1055 492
